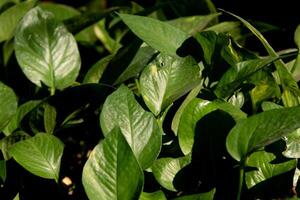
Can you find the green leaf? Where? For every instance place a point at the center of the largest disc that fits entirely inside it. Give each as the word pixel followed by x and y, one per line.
pixel 230 27
pixel 267 105
pixel 8 105
pixel 22 111
pixel 176 119
pixel 237 74
pixel 208 41
pixel 203 196
pixel 193 24
pixel 292 145
pixel 166 79
pixel 265 168
pixel 40 155
pixel 10 18
pixel 3 170
pixel 46 51
pixel 112 171
pixel 158 195
pixel 193 112
pixel 139 127
pixel 165 170
pixel 49 118
pixel 17 197
pixel 153 32
pixel 246 136
pixel 95 72
pixel 138 63
pixel 60 11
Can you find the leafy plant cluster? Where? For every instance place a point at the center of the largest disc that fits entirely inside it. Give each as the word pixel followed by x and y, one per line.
pixel 130 102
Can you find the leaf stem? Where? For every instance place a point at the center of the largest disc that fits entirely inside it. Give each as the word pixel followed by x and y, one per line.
pixel 52 91
pixel 241 181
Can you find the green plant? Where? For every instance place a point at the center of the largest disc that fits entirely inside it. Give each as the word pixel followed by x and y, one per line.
pixel 181 109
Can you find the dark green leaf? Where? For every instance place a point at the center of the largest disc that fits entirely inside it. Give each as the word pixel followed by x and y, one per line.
pixel 40 155
pixel 260 130
pixel 3 170
pixel 49 118
pixel 46 51
pixel 8 105
pixel 265 168
pixel 235 76
pixel 158 195
pixel 153 32
pixel 139 127
pixel 22 111
pixel 193 112
pixel 95 72
pixel 165 170
pixel 10 18
pixel 112 171
pixel 203 196
pixel 208 41
pixel 166 79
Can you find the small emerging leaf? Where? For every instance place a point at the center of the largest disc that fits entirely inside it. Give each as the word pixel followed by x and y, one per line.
pixel 49 118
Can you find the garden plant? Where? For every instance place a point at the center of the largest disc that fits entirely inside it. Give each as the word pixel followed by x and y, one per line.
pixel 127 101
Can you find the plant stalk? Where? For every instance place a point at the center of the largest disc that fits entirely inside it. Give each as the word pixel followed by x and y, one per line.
pixel 241 181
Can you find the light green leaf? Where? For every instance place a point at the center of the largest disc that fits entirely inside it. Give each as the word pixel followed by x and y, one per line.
pixel 203 196
pixel 95 72
pixel 60 11
pixel 49 118
pixel 139 127
pixel 40 155
pixel 17 197
pixel 166 79
pixel 46 51
pixel 138 63
pixel 193 24
pixel 8 105
pixel 260 130
pixel 176 119
pixel 292 145
pixel 158 195
pixel 267 105
pixel 3 170
pixel 165 170
pixel 237 74
pixel 10 18
pixel 265 168
pixel 233 28
pixel 193 112
pixel 22 111
pixel 237 99
pixel 112 171
pixel 153 32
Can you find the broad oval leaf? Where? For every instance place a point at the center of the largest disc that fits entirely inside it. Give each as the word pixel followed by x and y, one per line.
pixel 194 111
pixel 153 32
pixel 112 171
pixel 202 196
pixel 8 105
pixel 10 18
pixel 40 155
pixel 260 130
pixel 166 79
pixel 165 170
pixel 158 195
pixel 46 51
pixel 265 169
pixel 139 127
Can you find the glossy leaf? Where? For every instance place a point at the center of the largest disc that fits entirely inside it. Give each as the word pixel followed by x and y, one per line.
pixel 139 127
pixel 3 170
pixel 203 196
pixel 292 145
pixel 46 51
pixel 8 105
pixel 10 18
pixel 176 119
pixel 158 195
pixel 194 111
pixel 22 111
pixel 95 72
pixel 166 79
pixel 153 32
pixel 40 155
pixel 235 76
pixel 265 168
pixel 112 171
pixel 193 24
pixel 49 118
pixel 165 170
pixel 260 130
